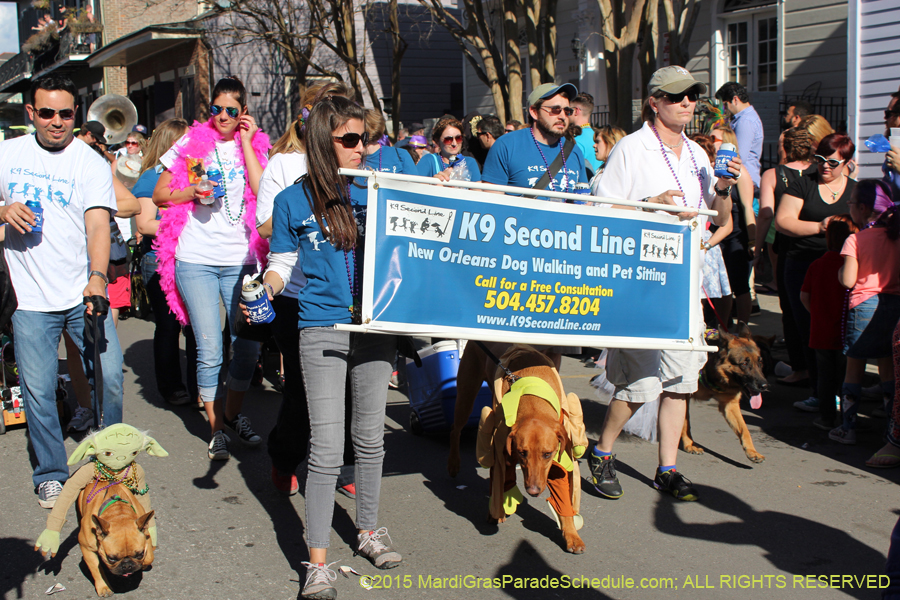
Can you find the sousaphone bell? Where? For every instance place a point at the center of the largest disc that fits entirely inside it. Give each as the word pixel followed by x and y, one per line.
pixel 116 113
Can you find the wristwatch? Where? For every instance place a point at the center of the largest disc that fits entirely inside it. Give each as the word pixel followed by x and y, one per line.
pixel 705 246
pixel 100 275
pixel 723 193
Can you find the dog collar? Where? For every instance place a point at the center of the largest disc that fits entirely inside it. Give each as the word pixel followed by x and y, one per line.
pixel 704 380
pixel 112 501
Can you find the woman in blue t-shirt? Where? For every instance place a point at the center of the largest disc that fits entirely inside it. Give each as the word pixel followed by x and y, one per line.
pixel 323 218
pixel 448 139
pixel 380 155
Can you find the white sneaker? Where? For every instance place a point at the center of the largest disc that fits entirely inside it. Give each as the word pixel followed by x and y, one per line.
pixel 319 581
pixel 218 447
pixel 83 419
pixel 843 436
pixel 48 492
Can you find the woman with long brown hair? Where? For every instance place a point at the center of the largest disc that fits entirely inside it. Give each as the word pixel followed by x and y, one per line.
pixel 322 217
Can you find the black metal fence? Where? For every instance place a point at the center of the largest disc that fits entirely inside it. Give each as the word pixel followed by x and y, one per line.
pixel 833 108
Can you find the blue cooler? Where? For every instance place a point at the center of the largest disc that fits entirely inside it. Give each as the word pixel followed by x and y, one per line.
pixel 432 390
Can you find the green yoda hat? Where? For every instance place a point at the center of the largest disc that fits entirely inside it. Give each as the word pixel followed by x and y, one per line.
pixel 116 446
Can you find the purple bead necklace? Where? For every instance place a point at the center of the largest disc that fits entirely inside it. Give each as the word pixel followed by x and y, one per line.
pixel 547 165
pixel 662 147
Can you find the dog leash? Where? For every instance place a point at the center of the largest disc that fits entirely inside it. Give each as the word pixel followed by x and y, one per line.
pixel 92 333
pixel 509 374
pixel 712 306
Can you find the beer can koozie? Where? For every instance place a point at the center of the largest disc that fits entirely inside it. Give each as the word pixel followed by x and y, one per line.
pixel 257 302
pixel 727 152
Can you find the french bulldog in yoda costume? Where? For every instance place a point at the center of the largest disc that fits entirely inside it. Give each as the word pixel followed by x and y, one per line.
pixel 117 524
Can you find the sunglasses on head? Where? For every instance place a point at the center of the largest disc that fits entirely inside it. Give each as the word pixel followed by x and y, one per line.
pixel 66 114
pixel 831 162
pixel 352 140
pixel 215 110
pixel 677 98
pixel 555 110
pixel 450 139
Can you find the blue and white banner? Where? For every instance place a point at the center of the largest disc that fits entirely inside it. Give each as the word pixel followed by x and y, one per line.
pixel 460 263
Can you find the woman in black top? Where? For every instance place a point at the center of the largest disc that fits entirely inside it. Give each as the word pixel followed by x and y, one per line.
pixel 803 214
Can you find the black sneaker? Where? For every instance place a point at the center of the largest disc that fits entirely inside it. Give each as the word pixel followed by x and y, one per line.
pixel 676 484
pixel 603 474
pixel 241 428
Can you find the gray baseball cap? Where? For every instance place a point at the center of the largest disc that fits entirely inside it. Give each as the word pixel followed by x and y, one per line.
pixel 674 80
pixel 548 90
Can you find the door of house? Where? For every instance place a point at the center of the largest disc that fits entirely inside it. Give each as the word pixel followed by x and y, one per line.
pixel 751 50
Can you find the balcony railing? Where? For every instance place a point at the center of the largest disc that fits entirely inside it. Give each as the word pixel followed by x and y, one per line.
pixel 16 69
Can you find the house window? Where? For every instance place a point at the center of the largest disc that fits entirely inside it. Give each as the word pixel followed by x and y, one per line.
pixel 752 52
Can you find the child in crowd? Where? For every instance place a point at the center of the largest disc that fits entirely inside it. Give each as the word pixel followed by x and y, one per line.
pixel 871 272
pixel 825 298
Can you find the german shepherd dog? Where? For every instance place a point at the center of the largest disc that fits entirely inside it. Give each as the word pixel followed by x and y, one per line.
pixel 737 367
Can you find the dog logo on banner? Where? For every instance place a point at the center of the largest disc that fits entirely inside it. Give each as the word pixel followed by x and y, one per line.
pixel 418 221
pixel 661 247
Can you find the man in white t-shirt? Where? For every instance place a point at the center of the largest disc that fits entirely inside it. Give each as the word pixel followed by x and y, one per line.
pixel 55 269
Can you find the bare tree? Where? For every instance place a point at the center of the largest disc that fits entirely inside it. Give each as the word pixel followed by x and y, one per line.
pixel 398 47
pixel 620 24
pixel 495 58
pixel 681 17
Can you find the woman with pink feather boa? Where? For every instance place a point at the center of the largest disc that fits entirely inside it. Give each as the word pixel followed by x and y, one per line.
pixel 205 250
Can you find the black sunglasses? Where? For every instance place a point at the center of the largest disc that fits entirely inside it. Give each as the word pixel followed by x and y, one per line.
pixel 66 114
pixel 677 98
pixel 890 113
pixel 555 110
pixel 831 162
pixel 352 140
pixel 215 110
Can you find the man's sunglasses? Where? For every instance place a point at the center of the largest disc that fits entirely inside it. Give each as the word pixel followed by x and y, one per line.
pixel 215 110
pixel 450 139
pixel 890 113
pixel 677 98
pixel 66 114
pixel 352 140
pixel 555 110
pixel 831 162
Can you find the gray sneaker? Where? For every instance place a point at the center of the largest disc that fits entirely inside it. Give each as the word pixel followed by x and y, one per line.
pixel 218 447
pixel 83 419
pixel 318 581
pixel 48 492
pixel 382 555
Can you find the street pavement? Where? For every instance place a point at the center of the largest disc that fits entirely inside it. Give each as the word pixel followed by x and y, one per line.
pixel 759 531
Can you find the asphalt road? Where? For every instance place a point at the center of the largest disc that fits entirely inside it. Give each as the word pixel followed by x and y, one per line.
pixel 758 531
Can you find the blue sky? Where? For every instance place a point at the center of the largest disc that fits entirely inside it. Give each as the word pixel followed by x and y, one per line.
pixel 9 38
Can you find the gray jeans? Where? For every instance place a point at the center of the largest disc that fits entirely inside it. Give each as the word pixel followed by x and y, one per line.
pixel 326 357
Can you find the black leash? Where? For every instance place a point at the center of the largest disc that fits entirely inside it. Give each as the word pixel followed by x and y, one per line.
pixel 92 335
pixel 509 374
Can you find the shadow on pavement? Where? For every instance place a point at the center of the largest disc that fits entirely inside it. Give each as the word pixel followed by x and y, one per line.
pixel 792 544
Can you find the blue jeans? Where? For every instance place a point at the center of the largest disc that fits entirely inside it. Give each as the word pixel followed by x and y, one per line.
pixel 200 287
pixel 326 357
pixel 37 336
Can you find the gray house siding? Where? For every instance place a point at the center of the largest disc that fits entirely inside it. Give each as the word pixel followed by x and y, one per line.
pixel 815 47
pixel 874 51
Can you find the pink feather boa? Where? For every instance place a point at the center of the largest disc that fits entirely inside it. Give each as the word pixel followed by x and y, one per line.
pixel 202 138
